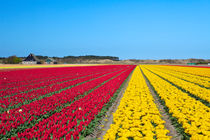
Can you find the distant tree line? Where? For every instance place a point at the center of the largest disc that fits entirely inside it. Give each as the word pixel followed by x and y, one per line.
pixel 93 57
pixel 66 59
pixel 82 59
pixel 41 57
pixel 10 60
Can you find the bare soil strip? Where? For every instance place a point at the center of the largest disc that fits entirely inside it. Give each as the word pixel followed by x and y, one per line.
pixel 165 116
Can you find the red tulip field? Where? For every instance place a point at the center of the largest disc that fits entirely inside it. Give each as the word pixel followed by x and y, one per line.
pixel 57 103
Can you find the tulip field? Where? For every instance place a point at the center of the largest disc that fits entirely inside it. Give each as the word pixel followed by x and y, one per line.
pixel 52 103
pixel 137 115
pixel 70 102
pixel 183 91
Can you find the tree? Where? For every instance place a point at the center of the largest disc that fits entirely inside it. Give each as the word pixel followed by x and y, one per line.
pixel 12 60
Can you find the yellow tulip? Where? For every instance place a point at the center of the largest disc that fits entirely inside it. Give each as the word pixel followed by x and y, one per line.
pixel 136 112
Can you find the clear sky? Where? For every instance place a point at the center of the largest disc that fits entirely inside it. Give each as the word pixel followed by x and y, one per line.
pixel 139 29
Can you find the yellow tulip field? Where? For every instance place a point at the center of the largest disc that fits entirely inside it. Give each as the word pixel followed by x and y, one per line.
pixel 183 91
pixel 137 115
pixel 189 86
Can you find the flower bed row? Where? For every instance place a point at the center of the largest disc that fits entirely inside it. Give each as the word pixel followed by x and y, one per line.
pixel 201 71
pixel 28 97
pixel 10 90
pixel 194 89
pixel 29 76
pixel 192 116
pixel 201 81
pixel 26 77
pixel 137 116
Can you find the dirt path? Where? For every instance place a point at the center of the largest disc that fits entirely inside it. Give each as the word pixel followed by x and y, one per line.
pixel 165 117
pixel 107 120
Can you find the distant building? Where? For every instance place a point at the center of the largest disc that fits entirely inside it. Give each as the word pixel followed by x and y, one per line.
pixel 191 64
pixel 208 63
pixel 31 59
pixel 50 61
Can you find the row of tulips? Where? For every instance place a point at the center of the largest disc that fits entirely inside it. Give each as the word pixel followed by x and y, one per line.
pixel 40 84
pixel 69 122
pixel 191 114
pixel 202 81
pixel 28 115
pixel 137 116
pixel 35 75
pixel 26 77
pixel 201 71
pixel 10 87
pixel 10 90
pixel 202 93
pixel 28 97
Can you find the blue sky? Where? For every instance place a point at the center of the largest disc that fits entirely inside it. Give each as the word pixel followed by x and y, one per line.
pixel 129 29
